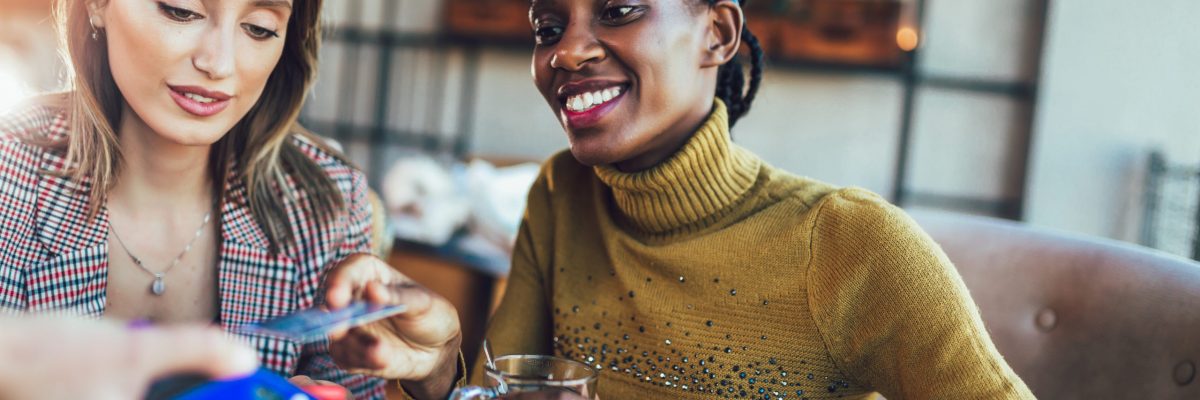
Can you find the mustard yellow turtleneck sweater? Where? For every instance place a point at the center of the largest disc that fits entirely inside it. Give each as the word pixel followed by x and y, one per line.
pixel 714 275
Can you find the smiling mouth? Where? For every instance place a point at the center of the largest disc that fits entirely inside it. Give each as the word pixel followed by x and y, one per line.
pixel 584 102
pixel 199 99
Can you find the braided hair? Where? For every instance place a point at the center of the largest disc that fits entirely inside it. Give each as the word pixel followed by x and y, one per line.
pixel 731 80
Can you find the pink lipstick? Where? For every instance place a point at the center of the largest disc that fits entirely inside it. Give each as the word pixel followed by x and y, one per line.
pixel 199 101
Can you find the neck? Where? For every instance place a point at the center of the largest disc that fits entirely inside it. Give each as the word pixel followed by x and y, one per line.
pixel 156 171
pixel 667 143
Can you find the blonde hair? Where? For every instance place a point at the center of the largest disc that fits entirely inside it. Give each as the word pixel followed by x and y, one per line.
pixel 259 144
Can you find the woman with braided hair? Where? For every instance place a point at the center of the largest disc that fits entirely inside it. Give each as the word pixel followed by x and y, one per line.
pixel 683 266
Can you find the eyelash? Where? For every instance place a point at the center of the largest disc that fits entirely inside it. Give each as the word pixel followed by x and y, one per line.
pixel 631 10
pixel 259 32
pixel 183 15
pixel 541 34
pixel 178 14
pixel 549 34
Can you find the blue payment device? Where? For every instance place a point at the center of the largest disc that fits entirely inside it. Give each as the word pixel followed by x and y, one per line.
pixel 262 385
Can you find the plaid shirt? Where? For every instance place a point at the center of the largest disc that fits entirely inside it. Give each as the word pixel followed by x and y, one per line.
pixel 54 259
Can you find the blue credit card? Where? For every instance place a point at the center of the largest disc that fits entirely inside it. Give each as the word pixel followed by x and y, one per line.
pixel 262 385
pixel 315 324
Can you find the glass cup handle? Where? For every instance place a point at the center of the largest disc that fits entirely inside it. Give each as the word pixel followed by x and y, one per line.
pixel 474 393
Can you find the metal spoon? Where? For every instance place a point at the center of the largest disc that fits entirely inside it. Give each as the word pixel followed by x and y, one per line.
pixel 487 354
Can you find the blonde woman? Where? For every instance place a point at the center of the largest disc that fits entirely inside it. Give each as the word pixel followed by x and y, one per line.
pixel 172 184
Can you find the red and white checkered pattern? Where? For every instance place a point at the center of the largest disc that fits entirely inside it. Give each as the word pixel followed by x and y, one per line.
pixel 53 259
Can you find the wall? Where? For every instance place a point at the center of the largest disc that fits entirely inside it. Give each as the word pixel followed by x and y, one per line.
pixel 1119 80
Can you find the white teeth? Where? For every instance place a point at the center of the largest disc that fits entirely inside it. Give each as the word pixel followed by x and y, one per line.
pixel 199 98
pixel 586 101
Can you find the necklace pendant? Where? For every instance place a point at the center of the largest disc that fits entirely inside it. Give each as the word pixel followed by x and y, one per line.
pixel 158 287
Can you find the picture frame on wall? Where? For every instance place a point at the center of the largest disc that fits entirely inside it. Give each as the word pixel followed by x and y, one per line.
pixel 861 33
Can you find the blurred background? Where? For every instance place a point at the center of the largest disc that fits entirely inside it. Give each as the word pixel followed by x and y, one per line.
pixel 1079 115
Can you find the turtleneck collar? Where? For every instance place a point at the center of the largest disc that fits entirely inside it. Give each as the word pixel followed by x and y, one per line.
pixel 707 175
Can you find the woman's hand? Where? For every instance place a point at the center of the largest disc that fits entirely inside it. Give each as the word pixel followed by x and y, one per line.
pixel 320 389
pixel 419 347
pixel 59 358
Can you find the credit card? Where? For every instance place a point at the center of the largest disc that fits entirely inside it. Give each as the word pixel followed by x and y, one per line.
pixel 311 325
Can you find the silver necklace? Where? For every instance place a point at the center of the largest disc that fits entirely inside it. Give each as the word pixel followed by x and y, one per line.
pixel 158 287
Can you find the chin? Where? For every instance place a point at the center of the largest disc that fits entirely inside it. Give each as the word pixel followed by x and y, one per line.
pixel 603 146
pixel 192 134
pixel 588 159
pixel 588 152
pixel 200 139
pixel 597 155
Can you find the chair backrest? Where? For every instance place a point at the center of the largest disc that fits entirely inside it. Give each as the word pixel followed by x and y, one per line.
pixel 1079 317
pixel 381 237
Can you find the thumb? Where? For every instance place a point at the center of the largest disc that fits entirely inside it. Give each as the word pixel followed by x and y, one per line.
pixel 417 298
pixel 191 349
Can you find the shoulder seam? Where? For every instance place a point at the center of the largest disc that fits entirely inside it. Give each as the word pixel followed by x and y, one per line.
pixel 819 209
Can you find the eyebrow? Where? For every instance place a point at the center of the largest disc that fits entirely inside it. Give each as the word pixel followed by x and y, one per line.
pixel 538 5
pixel 273 3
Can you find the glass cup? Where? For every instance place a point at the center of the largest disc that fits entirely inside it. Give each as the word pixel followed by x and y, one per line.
pixel 533 373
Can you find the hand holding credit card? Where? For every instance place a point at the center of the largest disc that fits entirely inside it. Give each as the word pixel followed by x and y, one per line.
pixel 307 326
pixel 418 347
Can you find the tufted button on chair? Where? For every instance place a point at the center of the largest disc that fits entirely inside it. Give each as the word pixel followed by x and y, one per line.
pixel 1079 317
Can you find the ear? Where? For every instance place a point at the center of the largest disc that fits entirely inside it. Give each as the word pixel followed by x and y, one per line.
pixel 724 33
pixel 96 9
